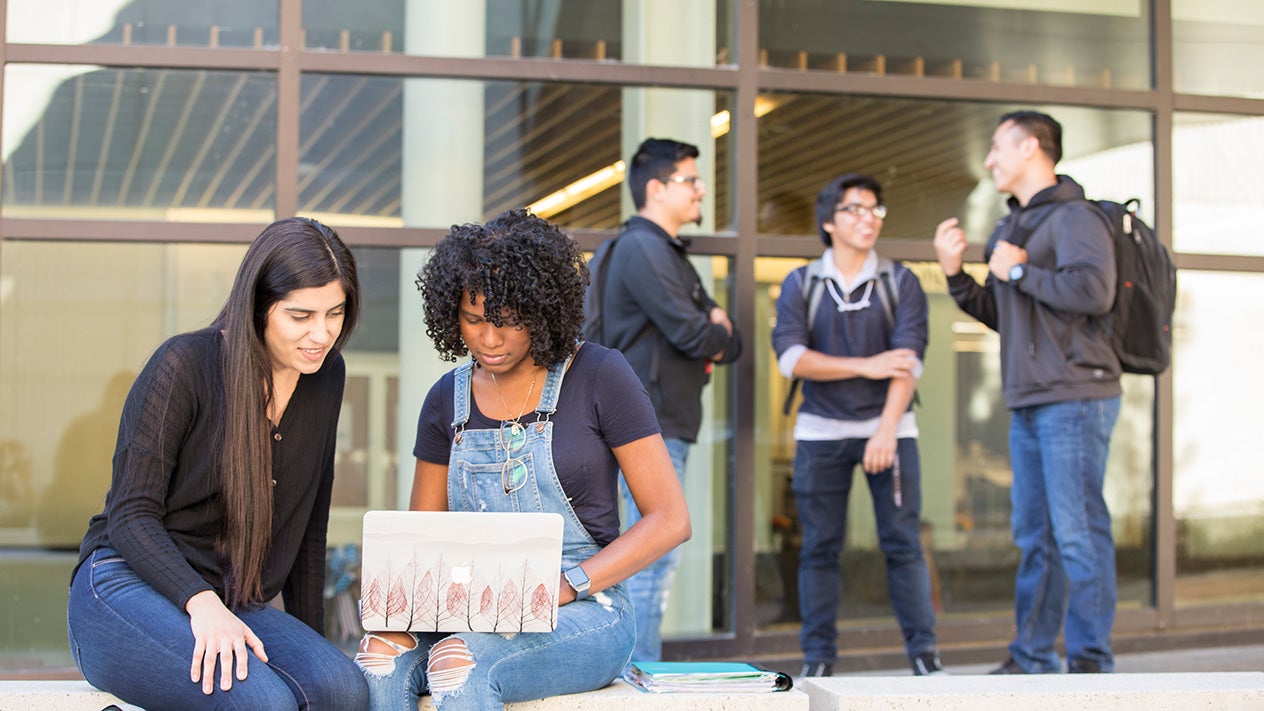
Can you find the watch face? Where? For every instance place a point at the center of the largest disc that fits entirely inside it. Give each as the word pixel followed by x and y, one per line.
pixel 1016 272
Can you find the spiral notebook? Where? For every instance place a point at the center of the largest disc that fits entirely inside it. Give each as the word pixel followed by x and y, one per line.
pixel 451 571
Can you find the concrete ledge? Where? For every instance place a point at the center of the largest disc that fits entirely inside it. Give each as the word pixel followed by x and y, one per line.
pixel 1221 691
pixel 621 696
pixel 56 696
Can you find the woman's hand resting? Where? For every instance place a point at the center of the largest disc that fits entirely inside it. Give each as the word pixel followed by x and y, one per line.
pixel 218 635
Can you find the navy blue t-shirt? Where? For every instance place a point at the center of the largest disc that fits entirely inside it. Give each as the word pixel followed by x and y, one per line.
pixel 602 405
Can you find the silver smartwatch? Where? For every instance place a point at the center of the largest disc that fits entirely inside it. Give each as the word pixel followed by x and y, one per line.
pixel 578 580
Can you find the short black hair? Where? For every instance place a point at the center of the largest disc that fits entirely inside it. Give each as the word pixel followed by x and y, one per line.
pixel 1043 127
pixel 827 200
pixel 655 159
pixel 527 270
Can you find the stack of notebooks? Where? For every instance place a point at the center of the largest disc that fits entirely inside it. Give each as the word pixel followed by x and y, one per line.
pixel 711 677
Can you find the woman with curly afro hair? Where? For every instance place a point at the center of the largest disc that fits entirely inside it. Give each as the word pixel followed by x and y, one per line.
pixel 546 422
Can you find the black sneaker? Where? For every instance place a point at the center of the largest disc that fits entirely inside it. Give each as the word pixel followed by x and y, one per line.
pixel 927 664
pixel 1009 666
pixel 1084 666
pixel 817 669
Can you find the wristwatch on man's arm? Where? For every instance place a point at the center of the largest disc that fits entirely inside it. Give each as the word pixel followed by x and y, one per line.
pixel 578 580
pixel 1017 272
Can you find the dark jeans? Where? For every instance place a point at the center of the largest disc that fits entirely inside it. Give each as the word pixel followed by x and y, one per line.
pixel 133 642
pixel 822 484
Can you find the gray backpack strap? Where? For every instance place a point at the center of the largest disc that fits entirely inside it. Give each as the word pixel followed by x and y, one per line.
pixel 890 297
pixel 888 294
pixel 812 289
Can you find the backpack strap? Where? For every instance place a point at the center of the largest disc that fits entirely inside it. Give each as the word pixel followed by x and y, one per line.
pixel 812 285
pixel 811 290
pixel 888 295
pixel 595 306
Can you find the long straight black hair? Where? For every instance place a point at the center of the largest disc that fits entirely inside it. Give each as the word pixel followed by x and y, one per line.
pixel 290 254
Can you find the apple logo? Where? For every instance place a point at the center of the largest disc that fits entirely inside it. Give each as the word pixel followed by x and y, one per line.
pixel 461 574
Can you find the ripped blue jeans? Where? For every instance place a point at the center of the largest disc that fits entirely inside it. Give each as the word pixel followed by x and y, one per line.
pixel 587 651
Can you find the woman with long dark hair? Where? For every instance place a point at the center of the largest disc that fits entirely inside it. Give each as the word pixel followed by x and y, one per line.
pixel 219 500
pixel 535 421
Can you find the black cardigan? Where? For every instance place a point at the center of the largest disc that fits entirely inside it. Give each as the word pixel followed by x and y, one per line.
pixel 162 511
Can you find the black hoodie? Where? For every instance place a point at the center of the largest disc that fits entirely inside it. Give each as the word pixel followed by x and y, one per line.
pixel 1055 323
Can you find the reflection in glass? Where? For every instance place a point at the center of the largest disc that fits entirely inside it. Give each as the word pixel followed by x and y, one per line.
pixel 707 487
pixel 184 23
pixel 554 147
pixel 1217 168
pixel 1089 43
pixel 1218 47
pixel 929 157
pixel 1217 495
pixel 139 144
pixel 964 444
pixel 594 30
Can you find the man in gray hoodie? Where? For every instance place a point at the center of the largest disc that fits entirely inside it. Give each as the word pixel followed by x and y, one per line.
pixel 1048 293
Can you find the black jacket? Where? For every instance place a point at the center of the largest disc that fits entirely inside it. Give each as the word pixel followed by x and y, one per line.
pixel 656 312
pixel 1054 324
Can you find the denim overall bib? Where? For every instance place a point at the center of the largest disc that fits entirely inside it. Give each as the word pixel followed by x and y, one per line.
pixel 480 470
pixel 594 637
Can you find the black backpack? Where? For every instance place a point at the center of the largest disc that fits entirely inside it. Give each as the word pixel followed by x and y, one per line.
pixel 1145 296
pixel 598 267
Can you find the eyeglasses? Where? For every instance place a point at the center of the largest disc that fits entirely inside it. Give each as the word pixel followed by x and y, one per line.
pixel 696 182
pixel 513 474
pixel 858 211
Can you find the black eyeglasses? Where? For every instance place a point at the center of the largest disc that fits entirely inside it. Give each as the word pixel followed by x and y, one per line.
pixel 858 211
pixel 513 474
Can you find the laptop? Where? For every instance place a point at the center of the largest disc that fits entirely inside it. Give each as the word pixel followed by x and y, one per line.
pixel 457 571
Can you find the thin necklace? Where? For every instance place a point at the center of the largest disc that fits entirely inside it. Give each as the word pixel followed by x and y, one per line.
pixel 516 427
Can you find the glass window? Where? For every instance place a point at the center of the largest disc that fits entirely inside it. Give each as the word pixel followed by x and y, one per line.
pixel 382 150
pixel 966 477
pixel 1217 496
pixel 84 142
pixel 1217 47
pixel 183 23
pixel 1216 170
pixel 929 157
pixel 688 34
pixel 1088 43
pixel 700 598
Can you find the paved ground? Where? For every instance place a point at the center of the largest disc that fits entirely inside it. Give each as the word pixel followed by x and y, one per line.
pixel 1222 659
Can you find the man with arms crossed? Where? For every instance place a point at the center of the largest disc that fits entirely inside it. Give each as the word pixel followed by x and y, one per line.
pixel 860 357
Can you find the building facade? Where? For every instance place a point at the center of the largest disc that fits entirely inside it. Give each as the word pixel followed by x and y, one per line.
pixel 145 142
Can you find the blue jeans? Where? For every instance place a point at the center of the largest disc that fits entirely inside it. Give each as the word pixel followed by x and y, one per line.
pixel 586 651
pixel 129 640
pixel 822 485
pixel 650 587
pixel 1062 526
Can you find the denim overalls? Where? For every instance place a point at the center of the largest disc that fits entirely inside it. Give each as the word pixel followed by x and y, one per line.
pixel 594 637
